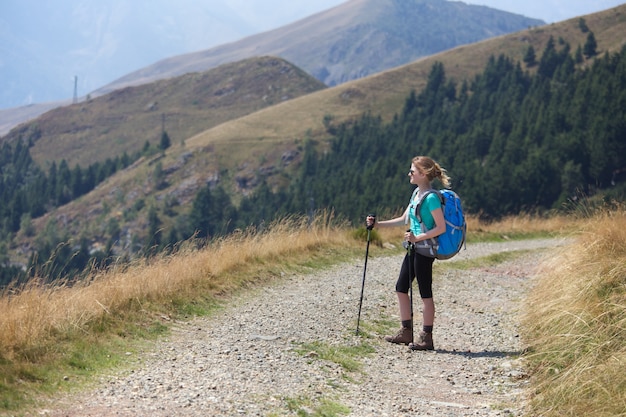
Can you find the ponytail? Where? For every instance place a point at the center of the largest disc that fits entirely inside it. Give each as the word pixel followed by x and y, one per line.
pixel 432 170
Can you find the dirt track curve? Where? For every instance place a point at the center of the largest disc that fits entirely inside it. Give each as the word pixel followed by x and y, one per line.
pixel 261 355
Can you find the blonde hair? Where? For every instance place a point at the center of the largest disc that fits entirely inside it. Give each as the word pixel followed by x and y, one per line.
pixel 432 170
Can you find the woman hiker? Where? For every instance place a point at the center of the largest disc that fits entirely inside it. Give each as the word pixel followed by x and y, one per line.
pixel 423 171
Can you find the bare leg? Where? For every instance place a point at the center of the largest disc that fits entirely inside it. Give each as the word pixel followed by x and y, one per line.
pixel 429 311
pixel 404 302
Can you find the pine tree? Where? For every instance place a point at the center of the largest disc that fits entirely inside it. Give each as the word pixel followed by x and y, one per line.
pixel 165 141
pixel 154 228
pixel 582 24
pixel 590 46
pixel 579 57
pixel 530 58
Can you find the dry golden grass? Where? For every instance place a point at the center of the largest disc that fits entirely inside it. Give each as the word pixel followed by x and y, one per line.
pixel 34 316
pixel 575 324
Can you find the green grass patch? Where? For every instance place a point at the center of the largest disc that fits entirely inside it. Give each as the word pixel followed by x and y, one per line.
pixel 306 407
pixel 68 365
pixel 71 362
pixel 374 328
pixel 348 357
pixel 360 234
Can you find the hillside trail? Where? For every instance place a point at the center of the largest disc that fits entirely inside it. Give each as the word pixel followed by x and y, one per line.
pixel 276 350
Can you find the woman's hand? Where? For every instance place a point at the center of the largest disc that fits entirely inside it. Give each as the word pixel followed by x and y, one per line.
pixel 370 221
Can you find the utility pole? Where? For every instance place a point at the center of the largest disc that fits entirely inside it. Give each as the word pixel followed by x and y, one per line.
pixel 75 100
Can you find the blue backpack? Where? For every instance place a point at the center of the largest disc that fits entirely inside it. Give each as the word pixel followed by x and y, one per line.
pixel 448 244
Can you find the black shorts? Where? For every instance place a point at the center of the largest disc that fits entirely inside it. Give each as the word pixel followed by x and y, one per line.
pixel 422 269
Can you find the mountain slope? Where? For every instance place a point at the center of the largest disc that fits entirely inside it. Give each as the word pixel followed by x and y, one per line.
pixel 385 93
pixel 353 40
pixel 358 38
pixel 124 120
pixel 350 41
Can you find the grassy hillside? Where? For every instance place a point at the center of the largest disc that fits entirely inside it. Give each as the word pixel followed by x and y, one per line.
pixel 10 118
pixel 385 93
pixel 107 126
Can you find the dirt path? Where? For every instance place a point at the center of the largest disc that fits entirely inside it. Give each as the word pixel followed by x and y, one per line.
pixel 266 354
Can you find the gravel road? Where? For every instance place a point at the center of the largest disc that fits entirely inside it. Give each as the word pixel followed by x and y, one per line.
pixel 261 356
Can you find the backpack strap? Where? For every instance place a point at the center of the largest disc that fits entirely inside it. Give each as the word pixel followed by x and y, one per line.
pixel 421 200
pixel 415 191
pixel 429 246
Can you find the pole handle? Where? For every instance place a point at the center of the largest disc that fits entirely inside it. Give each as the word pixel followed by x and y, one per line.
pixel 371 226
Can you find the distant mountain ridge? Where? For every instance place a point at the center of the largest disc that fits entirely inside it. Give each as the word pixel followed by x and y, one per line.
pixel 353 40
pixel 350 41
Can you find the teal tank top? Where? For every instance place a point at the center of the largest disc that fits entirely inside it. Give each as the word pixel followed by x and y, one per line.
pixel 431 203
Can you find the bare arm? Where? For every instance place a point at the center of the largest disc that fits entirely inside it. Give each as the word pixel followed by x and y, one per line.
pixel 440 227
pixel 398 221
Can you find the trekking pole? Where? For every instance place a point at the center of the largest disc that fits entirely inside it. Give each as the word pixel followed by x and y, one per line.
pixel 411 281
pixel 367 249
pixel 409 250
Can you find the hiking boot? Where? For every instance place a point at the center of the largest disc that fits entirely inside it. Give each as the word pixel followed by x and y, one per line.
pixel 425 342
pixel 404 336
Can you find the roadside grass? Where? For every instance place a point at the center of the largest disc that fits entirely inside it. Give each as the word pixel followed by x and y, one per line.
pixel 307 407
pixel 348 357
pixel 55 338
pixel 373 328
pixel 574 327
